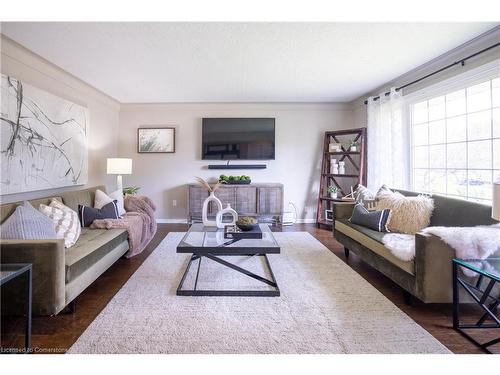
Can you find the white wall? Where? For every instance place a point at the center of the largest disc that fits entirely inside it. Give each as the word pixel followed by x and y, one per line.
pixel 299 136
pixel 483 41
pixel 20 63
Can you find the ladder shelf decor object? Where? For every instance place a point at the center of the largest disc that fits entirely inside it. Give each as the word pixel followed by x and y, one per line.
pixel 354 168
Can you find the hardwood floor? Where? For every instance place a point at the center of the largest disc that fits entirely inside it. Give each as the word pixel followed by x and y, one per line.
pixel 58 333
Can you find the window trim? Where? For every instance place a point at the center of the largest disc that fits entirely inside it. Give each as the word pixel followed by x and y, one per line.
pixel 485 72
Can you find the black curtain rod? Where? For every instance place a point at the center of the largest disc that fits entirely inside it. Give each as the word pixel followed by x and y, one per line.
pixel 461 62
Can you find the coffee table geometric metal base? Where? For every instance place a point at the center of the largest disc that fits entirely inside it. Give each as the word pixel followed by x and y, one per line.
pixel 208 244
pixel 230 293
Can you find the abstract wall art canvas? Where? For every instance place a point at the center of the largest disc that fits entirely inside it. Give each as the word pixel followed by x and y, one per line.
pixel 156 140
pixel 43 139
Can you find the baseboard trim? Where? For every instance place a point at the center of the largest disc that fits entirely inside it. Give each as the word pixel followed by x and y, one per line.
pixel 306 221
pixel 171 221
pixel 185 221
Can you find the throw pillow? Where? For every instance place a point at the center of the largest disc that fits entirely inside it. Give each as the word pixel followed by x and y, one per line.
pixel 383 190
pixel 88 214
pixel 118 196
pixel 101 199
pixel 376 220
pixel 362 193
pixel 409 214
pixel 65 221
pixel 26 223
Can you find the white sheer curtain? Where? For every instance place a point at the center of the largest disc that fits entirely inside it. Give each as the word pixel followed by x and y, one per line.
pixel 388 142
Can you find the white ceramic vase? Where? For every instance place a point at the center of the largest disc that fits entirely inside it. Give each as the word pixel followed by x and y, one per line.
pixel 341 167
pixel 204 212
pixel 353 148
pixel 333 195
pixel 335 169
pixel 333 163
pixel 226 211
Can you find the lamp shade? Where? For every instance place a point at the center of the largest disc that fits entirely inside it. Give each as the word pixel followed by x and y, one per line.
pixel 119 166
pixel 495 209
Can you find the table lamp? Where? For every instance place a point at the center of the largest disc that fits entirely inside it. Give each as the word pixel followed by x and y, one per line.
pixel 495 207
pixel 119 166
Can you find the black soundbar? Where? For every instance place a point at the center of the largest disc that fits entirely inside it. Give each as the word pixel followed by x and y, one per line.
pixel 237 166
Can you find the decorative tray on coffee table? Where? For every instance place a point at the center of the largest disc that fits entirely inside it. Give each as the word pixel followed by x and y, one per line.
pixel 233 232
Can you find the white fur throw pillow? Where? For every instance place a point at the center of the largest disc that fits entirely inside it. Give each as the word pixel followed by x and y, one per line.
pixel 408 214
pixel 101 199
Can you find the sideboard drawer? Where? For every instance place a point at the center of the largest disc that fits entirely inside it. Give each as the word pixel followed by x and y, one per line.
pixel 225 195
pixel 270 200
pixel 246 200
pixel 196 197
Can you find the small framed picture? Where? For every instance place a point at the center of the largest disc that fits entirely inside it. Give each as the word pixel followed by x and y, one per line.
pixel 329 215
pixel 334 147
pixel 156 140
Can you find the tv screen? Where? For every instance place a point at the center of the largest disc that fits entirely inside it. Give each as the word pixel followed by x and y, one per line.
pixel 238 139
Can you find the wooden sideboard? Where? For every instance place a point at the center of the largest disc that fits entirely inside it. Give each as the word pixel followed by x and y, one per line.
pixel 262 200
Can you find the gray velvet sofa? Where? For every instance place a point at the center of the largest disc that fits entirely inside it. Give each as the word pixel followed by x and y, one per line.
pixel 59 274
pixel 427 277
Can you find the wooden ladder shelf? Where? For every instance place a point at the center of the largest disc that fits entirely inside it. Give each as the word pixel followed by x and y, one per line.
pixel 355 169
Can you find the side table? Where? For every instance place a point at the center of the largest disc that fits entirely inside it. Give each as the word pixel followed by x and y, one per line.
pixel 483 291
pixel 9 272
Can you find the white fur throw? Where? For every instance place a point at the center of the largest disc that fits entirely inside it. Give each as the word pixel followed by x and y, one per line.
pixel 469 242
pixel 408 214
pixel 402 246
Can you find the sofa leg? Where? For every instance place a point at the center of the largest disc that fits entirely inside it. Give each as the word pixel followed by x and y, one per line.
pixel 72 307
pixel 346 252
pixel 407 297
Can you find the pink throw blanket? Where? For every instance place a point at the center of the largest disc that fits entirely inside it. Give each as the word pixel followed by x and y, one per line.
pixel 139 221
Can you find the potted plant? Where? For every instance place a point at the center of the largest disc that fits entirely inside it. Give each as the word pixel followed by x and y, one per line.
pixel 353 145
pixel 131 190
pixel 333 190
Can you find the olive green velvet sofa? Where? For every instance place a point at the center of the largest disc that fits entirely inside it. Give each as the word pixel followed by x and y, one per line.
pixel 428 276
pixel 60 274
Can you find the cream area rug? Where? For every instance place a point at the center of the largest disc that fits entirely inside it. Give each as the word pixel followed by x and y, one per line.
pixel 324 307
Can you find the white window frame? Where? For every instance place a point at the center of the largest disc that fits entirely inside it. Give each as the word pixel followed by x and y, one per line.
pixel 461 81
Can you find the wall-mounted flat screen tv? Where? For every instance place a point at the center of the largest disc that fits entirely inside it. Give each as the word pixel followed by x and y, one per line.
pixel 238 138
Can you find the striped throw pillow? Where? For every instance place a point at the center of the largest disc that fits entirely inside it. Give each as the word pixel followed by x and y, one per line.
pixel 376 220
pixel 65 221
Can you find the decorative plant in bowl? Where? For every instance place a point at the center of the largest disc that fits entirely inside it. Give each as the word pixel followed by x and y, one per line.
pixel 234 180
pixel 246 223
pixel 333 190
pixel 353 145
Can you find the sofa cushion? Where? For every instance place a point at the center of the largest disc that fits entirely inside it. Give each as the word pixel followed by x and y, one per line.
pixel 373 241
pixel 376 220
pixel 408 214
pixel 84 197
pixel 453 212
pixel 102 199
pixel 92 245
pixel 27 223
pixel 8 208
pixel 65 220
pixel 88 214
pixel 362 193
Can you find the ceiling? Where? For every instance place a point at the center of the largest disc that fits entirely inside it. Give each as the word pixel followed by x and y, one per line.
pixel 239 62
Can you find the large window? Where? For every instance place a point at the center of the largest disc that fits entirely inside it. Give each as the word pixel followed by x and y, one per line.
pixel 456 142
